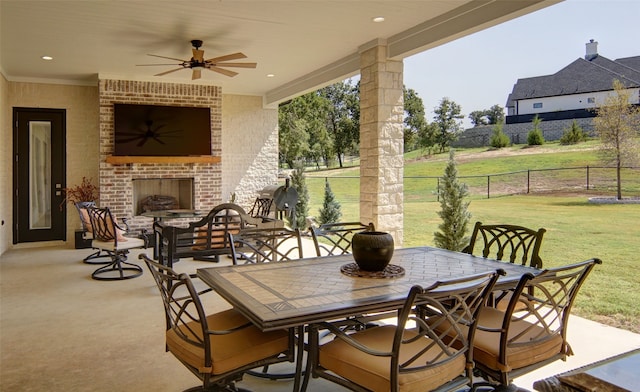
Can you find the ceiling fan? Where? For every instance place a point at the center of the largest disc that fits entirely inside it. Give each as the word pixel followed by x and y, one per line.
pixel 197 62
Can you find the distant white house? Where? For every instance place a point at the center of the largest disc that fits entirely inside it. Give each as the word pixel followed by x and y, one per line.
pixel 574 91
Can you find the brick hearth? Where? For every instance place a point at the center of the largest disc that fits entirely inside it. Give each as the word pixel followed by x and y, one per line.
pixel 116 187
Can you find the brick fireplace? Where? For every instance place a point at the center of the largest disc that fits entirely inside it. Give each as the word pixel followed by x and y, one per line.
pixel 117 177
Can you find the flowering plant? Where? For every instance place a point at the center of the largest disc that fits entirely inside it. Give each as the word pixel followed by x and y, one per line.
pixel 86 191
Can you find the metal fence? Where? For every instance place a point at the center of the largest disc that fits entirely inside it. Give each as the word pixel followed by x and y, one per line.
pixel 584 180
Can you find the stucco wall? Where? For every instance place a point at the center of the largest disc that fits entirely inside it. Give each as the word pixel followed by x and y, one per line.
pixel 6 180
pixel 81 105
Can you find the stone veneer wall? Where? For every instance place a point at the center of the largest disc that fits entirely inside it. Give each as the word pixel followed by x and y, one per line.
pixel 551 130
pixel 381 141
pixel 116 189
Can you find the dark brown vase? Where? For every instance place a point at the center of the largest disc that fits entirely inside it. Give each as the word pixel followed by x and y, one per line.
pixel 372 250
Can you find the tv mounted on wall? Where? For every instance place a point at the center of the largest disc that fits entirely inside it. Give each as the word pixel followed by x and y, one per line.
pixel 151 130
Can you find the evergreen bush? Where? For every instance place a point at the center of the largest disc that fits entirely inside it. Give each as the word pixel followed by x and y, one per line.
pixel 499 139
pixel 298 182
pixel 330 211
pixel 534 137
pixel 573 135
pixel 453 210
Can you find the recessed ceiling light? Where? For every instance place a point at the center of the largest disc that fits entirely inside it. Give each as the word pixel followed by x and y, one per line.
pixel 47 58
pixel 270 75
pixel 378 19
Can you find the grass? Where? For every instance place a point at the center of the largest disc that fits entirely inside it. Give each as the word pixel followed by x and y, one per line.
pixel 576 229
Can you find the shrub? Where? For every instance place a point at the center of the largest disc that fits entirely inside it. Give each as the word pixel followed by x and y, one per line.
pixel 573 135
pixel 499 139
pixel 534 137
pixel 330 211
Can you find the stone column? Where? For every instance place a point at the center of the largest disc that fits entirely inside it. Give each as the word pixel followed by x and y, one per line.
pixel 381 140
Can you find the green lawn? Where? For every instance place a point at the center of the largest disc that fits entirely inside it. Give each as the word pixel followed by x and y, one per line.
pixel 576 230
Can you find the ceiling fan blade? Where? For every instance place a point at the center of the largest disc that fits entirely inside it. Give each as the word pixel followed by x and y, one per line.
pixel 233 56
pixel 196 74
pixel 238 65
pixel 168 58
pixel 198 55
pixel 169 71
pixel 152 65
pixel 222 71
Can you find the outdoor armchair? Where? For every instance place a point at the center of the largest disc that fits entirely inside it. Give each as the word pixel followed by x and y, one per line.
pixel 262 245
pixel 411 355
pixel 218 348
pixel 512 243
pixel 532 331
pixel 335 238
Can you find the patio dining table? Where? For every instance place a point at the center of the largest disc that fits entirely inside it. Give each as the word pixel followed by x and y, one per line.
pixel 298 293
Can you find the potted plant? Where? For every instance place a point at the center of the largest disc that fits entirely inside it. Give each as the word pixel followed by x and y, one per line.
pixel 81 196
pixel 82 193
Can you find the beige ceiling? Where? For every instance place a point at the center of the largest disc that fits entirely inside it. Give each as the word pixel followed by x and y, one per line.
pixel 305 44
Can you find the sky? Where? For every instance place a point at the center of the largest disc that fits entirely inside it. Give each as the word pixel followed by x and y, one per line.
pixel 479 71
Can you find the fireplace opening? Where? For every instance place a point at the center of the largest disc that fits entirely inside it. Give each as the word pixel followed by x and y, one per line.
pixel 162 194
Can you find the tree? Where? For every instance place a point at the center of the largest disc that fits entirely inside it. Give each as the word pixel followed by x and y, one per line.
pixel 499 139
pixel 299 183
pixel 535 137
pixel 330 211
pixel 478 118
pixel 618 126
pixel 414 120
pixel 293 139
pixel 446 121
pixel 453 209
pixel 495 114
pixel 343 117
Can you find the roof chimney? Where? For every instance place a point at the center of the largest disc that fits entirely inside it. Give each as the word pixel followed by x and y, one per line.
pixel 592 50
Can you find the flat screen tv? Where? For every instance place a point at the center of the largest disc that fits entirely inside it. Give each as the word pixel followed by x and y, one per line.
pixel 150 130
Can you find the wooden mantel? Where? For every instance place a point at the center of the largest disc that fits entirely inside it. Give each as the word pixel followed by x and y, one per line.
pixel 122 160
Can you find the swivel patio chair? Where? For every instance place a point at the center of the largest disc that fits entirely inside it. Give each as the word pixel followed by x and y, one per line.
pixel 335 238
pixel 411 355
pixel 108 237
pixel 97 257
pixel 523 338
pixel 218 348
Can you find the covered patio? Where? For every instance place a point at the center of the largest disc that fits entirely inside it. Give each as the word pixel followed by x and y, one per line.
pixel 63 331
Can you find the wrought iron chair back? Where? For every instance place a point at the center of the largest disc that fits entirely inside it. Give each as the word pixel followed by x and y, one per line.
pixel 335 238
pixel 533 328
pixel 108 236
pixel 192 335
pixel 262 245
pixel 427 346
pixel 96 257
pixel 507 242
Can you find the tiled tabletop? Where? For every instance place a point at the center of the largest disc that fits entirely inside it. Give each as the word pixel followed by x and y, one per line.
pixel 280 295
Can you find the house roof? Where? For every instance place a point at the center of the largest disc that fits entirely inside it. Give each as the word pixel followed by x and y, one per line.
pixel 304 44
pixel 581 76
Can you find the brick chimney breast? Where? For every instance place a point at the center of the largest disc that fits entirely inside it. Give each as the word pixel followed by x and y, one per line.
pixel 592 50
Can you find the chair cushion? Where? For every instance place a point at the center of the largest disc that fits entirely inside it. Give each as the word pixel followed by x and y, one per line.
pixel 373 372
pixel 487 344
pixel 218 237
pixel 231 351
pixel 128 243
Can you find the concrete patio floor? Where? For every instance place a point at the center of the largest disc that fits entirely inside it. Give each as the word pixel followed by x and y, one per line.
pixel 62 331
